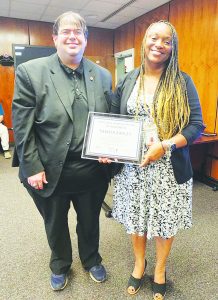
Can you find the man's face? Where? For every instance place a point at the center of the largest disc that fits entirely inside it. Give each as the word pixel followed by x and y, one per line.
pixel 70 41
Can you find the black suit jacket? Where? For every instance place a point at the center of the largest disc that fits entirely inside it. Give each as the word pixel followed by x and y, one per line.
pixel 180 157
pixel 42 115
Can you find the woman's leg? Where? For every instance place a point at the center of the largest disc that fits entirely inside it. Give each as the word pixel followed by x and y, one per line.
pixel 163 247
pixel 139 247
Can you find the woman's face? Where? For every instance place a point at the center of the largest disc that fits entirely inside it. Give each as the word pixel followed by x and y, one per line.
pixel 158 44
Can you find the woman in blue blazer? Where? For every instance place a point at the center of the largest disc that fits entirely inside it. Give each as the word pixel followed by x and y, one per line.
pixel 154 200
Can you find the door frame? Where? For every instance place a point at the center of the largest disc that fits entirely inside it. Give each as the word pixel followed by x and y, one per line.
pixel 123 54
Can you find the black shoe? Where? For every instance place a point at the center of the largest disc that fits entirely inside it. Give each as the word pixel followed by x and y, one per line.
pixel 98 273
pixel 159 290
pixel 135 283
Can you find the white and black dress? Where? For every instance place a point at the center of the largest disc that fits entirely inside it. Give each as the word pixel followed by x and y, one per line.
pixel 149 200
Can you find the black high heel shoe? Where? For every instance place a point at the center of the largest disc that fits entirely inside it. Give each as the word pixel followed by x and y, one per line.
pixel 135 283
pixel 159 290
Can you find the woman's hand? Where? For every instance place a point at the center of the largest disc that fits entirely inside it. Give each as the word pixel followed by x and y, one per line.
pixel 155 152
pixel 105 160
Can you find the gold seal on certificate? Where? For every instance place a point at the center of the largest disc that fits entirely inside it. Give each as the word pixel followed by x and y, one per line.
pixel 117 137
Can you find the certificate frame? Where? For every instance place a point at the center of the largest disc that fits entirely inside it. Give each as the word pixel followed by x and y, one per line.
pixel 117 137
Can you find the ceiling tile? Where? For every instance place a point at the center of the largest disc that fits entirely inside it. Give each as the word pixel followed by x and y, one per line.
pixel 100 6
pixel 4 5
pixel 27 8
pixel 118 19
pixel 120 2
pixel 131 12
pixel 4 13
pixel 22 15
pixel 88 14
pixel 54 11
pixel 49 18
pixel 91 23
pixel 41 2
pixel 107 25
pixel 69 4
pixel 149 5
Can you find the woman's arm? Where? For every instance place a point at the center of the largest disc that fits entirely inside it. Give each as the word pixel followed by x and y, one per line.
pixel 195 126
pixel 187 136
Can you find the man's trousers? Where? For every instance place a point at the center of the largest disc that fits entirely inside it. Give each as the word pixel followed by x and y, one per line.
pixel 54 211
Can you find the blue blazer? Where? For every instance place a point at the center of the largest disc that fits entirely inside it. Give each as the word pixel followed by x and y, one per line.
pixel 180 158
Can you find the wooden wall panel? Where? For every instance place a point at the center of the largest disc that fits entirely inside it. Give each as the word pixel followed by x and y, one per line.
pixel 40 33
pixel 100 42
pixel 217 113
pixel 124 37
pixel 196 23
pixel 12 31
pixel 143 22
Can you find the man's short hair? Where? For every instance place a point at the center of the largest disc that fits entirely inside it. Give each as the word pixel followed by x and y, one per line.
pixel 74 18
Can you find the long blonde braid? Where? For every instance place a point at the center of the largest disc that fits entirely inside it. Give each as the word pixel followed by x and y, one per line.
pixel 170 106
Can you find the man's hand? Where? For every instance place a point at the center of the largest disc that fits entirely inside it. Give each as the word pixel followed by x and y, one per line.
pixel 37 180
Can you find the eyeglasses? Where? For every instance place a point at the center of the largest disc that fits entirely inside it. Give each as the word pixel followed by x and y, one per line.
pixel 68 32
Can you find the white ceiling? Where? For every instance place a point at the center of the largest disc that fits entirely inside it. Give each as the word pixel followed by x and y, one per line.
pixel 94 11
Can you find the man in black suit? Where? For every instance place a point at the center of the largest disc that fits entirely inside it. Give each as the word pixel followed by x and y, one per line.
pixel 53 96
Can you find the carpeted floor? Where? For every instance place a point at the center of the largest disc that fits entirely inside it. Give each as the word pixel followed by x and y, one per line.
pixel 24 253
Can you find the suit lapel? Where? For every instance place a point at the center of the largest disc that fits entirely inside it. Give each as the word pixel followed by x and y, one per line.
pixel 60 85
pixel 90 78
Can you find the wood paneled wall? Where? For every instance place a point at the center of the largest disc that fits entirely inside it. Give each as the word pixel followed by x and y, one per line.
pixel 100 42
pixel 124 37
pixel 40 33
pixel 196 24
pixel 12 31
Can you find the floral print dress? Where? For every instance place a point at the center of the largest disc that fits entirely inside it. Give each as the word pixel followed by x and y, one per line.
pixel 149 200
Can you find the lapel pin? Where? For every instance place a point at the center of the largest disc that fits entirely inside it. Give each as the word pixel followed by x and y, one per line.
pixel 91 78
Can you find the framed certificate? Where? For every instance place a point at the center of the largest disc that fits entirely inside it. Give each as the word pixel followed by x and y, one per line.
pixel 117 137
